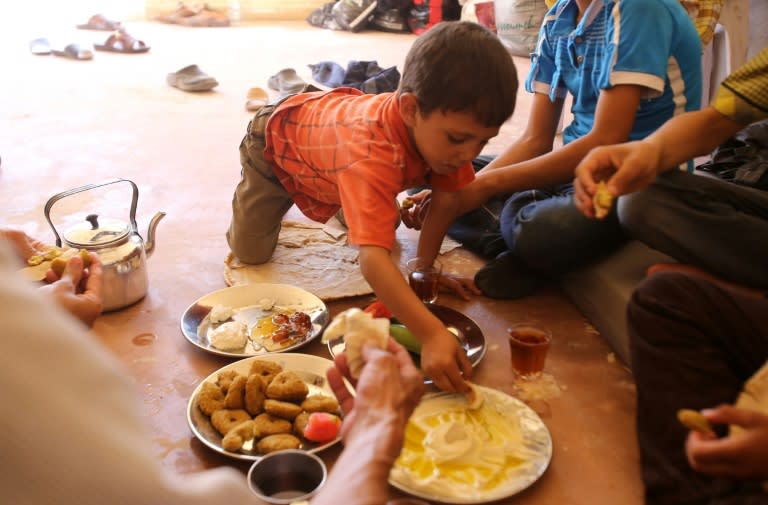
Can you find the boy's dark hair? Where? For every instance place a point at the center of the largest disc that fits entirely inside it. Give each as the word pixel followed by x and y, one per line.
pixel 461 66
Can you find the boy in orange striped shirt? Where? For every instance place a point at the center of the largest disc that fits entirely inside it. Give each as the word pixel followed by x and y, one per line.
pixel 342 149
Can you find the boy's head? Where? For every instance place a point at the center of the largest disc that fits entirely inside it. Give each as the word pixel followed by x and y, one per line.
pixel 460 66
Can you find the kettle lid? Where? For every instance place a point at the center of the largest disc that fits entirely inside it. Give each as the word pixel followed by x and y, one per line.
pixel 97 232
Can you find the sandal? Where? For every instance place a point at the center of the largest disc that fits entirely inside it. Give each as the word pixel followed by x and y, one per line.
pixel 100 22
pixel 40 46
pixel 121 42
pixel 256 99
pixel 191 78
pixel 74 52
pixel 206 17
pixel 182 11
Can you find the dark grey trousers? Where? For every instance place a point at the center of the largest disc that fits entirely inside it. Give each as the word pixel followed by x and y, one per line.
pixel 693 345
pixel 702 221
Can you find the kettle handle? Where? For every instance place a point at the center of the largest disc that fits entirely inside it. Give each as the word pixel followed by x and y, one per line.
pixel 55 198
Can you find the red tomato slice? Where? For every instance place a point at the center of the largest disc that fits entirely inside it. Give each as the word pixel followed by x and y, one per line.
pixel 378 309
pixel 322 427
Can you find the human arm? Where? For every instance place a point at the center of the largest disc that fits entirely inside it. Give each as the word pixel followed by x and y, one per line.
pixel 441 212
pixel 614 118
pixel 635 165
pixel 743 455
pixel 23 245
pixel 55 374
pixel 388 390
pixel 442 358
pixel 78 290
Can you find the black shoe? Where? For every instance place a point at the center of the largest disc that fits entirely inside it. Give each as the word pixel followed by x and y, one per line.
pixel 507 277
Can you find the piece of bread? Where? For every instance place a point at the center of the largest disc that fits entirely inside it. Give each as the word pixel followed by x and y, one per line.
pixel 694 420
pixel 602 201
pixel 357 328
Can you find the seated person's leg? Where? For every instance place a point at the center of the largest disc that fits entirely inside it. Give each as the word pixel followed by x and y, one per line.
pixel 478 230
pixel 550 235
pixel 506 276
pixel 693 345
pixel 258 205
pixel 546 236
pixel 715 225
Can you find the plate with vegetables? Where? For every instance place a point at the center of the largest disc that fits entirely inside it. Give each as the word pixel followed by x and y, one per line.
pixel 466 331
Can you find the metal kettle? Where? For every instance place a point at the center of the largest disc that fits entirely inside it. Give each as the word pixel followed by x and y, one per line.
pixel 118 244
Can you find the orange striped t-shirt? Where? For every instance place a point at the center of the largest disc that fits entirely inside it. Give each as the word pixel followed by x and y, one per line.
pixel 347 149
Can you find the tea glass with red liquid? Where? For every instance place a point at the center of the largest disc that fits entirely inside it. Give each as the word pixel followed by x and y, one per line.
pixel 528 346
pixel 424 278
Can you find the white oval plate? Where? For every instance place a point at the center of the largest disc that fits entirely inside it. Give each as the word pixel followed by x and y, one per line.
pixel 245 300
pixel 310 368
pixel 534 449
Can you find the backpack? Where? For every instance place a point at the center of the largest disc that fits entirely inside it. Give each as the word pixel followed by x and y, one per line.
pixel 426 13
pixel 743 158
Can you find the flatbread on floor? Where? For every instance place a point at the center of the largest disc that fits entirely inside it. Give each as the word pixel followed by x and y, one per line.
pixel 317 258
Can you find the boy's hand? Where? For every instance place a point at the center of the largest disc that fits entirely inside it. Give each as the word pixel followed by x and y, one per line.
pixel 444 361
pixel 742 455
pixel 413 216
pixel 460 285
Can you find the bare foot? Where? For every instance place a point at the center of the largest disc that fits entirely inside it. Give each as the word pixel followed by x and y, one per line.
pixel 703 274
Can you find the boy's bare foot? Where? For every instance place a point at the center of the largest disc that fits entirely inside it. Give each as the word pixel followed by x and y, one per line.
pixel 698 272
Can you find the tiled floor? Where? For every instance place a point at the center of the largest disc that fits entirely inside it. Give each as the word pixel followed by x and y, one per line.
pixel 67 123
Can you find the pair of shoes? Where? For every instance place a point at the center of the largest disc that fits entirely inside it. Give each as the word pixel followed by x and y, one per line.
pixel 100 22
pixel 255 99
pixel 507 277
pixel 194 15
pixel 74 51
pixel 191 78
pixel 205 17
pixel 182 11
pixel 286 82
pixel 122 42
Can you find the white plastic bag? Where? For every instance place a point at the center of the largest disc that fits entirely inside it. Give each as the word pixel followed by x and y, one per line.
pixel 518 23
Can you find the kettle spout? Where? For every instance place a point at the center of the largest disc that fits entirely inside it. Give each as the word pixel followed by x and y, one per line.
pixel 149 245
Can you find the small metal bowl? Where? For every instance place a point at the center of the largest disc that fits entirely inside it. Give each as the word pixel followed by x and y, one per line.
pixel 286 477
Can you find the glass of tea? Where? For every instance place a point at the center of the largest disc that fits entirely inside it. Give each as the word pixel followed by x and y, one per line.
pixel 424 278
pixel 528 346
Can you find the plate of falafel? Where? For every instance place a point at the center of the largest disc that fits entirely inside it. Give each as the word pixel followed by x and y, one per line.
pixel 264 404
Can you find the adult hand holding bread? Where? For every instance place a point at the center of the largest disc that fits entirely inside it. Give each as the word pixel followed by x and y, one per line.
pixel 742 455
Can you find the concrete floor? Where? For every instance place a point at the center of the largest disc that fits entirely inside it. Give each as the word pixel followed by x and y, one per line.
pixel 68 123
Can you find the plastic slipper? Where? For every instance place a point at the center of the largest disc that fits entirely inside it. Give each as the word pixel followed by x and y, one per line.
pixel 256 98
pixel 191 78
pixel 121 42
pixel 40 46
pixel 100 22
pixel 74 51
pixel 182 11
pixel 287 82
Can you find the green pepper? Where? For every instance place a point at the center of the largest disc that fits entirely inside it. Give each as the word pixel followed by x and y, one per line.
pixel 404 337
